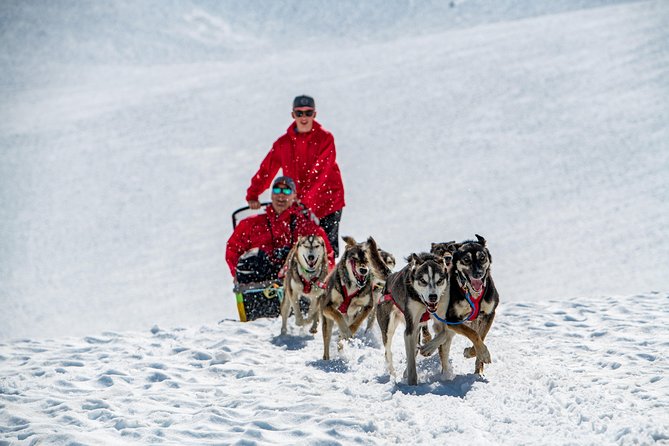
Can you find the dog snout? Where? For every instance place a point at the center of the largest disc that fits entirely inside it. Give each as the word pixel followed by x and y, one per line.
pixel 433 297
pixel 477 273
pixel 311 257
pixel 363 271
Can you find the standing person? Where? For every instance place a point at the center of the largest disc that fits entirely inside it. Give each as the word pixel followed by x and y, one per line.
pixel 306 153
pixel 259 244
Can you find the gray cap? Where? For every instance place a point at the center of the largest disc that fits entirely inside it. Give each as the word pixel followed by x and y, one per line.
pixel 288 181
pixel 304 101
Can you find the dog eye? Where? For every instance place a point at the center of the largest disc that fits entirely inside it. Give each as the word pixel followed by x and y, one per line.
pixel 440 281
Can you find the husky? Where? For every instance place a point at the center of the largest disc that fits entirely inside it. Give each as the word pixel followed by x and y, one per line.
pixel 306 270
pixel 445 250
pixel 348 297
pixel 377 287
pixel 409 295
pixel 473 299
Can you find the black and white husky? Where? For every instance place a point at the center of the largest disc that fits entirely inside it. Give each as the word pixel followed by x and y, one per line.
pixel 473 299
pixel 410 296
pixel 306 270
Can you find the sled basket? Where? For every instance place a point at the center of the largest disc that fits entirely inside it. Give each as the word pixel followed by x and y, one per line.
pixel 258 299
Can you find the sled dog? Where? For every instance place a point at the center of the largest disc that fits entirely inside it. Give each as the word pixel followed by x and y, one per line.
pixel 377 287
pixel 445 250
pixel 409 296
pixel 472 298
pixel 306 271
pixel 348 295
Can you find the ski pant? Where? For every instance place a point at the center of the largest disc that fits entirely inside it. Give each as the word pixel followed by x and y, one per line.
pixel 330 224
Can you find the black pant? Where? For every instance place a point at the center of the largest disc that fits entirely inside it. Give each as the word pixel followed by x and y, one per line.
pixel 330 224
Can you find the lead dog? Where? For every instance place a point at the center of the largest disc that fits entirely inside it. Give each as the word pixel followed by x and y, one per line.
pixel 473 299
pixel 409 296
pixel 348 297
pixel 445 250
pixel 307 269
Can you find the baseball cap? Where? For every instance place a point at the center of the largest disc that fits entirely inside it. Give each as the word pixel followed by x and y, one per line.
pixel 288 181
pixel 304 101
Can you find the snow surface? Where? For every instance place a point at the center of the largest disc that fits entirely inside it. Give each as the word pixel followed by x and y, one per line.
pixel 563 373
pixel 128 134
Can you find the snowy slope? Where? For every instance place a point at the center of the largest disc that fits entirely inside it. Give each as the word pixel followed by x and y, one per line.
pixel 546 134
pixel 586 373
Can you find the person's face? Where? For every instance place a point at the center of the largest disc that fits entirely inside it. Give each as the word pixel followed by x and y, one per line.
pixel 304 118
pixel 280 199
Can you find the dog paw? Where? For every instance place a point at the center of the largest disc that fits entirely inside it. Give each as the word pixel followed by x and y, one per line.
pixel 346 333
pixel 426 353
pixel 447 375
pixel 428 349
pixel 469 352
pixel 483 355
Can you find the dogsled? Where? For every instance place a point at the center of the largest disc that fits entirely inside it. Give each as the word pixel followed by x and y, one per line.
pixel 256 299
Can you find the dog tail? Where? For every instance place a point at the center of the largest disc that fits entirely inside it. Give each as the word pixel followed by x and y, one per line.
pixel 381 270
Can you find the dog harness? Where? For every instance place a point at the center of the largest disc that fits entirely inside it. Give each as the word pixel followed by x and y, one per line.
pixel 474 302
pixel 389 297
pixel 306 284
pixel 343 308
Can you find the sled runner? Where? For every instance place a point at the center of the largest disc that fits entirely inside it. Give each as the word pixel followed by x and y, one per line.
pixel 256 299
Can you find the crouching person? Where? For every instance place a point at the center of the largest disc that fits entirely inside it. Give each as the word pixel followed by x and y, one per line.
pixel 259 245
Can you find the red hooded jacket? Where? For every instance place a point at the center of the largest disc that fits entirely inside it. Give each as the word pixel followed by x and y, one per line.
pixel 310 159
pixel 271 231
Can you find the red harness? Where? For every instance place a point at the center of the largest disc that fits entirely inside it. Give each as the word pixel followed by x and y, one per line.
pixel 306 284
pixel 475 303
pixel 343 308
pixel 389 297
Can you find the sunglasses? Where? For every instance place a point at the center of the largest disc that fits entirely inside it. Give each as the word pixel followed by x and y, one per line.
pixel 282 190
pixel 300 113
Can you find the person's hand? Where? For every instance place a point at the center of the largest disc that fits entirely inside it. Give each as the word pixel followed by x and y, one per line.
pixel 254 204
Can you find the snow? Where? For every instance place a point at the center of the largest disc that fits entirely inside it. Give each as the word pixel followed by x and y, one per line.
pixel 128 135
pixel 563 373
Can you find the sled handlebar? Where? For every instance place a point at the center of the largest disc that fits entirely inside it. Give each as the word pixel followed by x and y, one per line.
pixel 245 208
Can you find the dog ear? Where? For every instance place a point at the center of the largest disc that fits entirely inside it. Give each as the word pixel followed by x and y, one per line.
pixel 350 241
pixel 480 239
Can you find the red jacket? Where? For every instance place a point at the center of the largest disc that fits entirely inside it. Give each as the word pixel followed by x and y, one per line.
pixel 310 159
pixel 269 232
